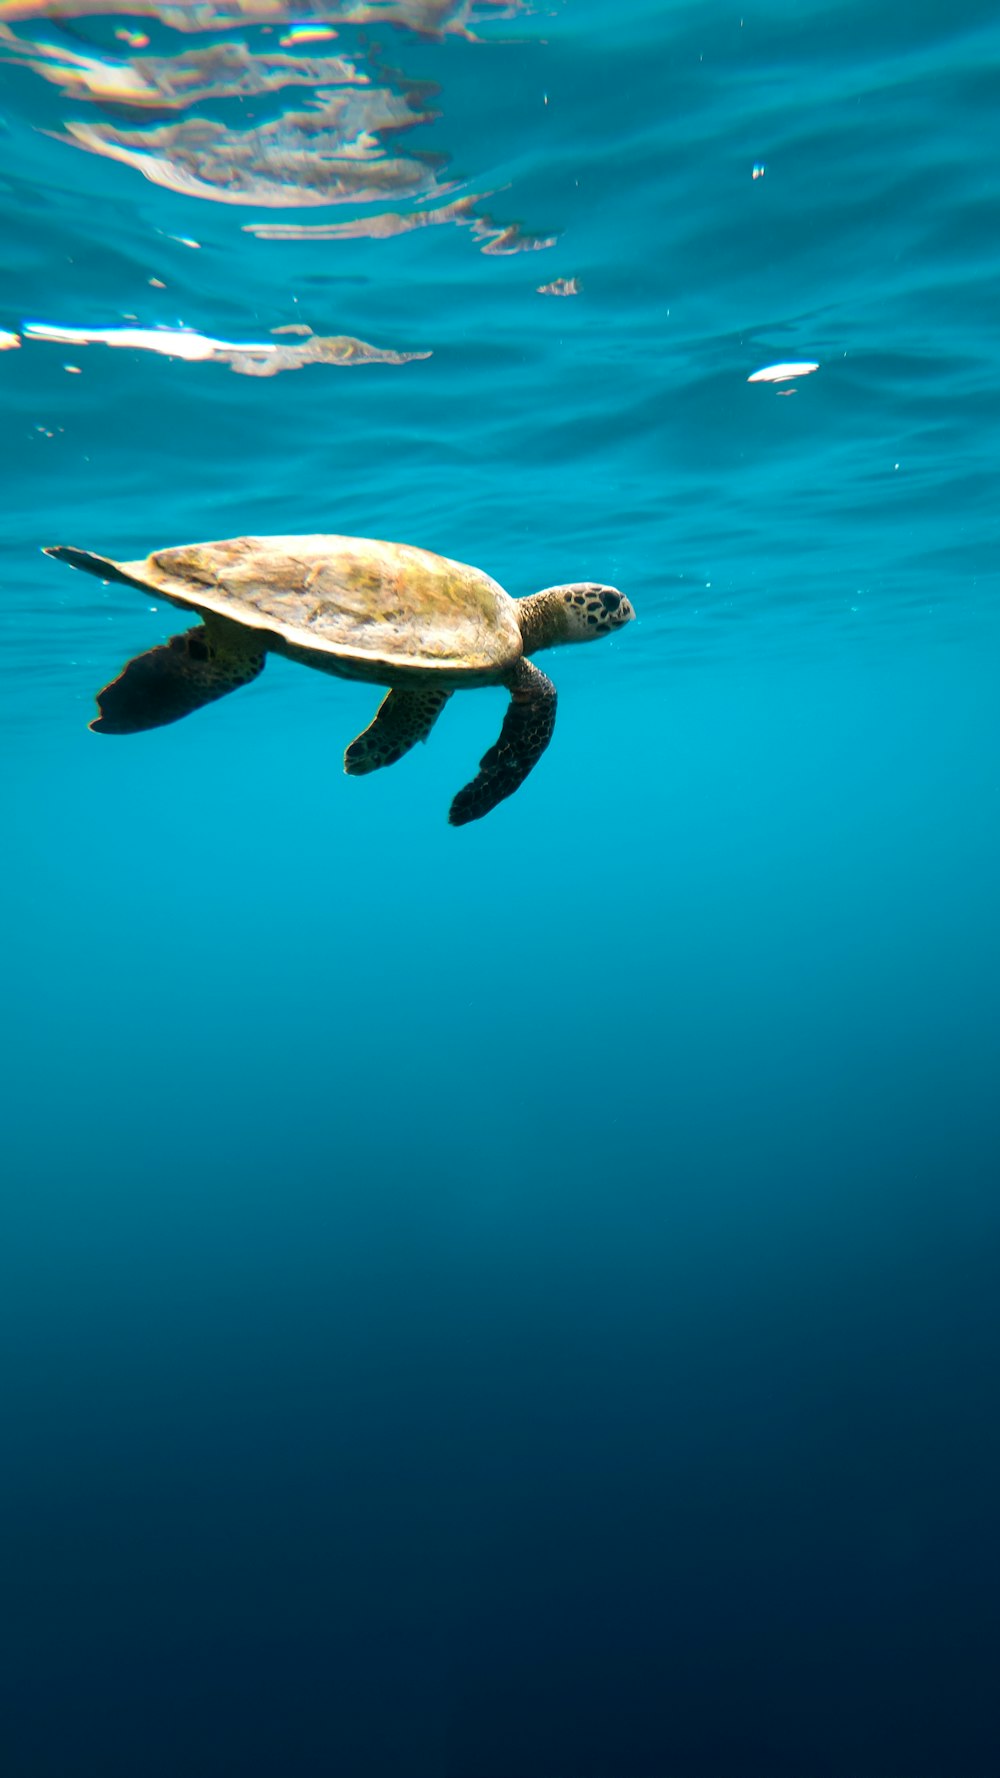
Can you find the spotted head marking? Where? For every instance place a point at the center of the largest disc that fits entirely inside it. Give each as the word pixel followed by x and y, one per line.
pixel 595 610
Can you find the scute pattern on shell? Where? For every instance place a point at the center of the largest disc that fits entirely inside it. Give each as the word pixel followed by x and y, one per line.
pixel 350 597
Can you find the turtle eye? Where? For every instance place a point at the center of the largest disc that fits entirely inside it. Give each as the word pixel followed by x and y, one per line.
pixel 611 601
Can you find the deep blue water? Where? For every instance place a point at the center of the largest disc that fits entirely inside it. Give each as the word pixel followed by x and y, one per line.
pixel 518 1301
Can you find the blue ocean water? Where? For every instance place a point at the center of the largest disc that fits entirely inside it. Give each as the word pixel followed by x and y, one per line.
pixel 518 1301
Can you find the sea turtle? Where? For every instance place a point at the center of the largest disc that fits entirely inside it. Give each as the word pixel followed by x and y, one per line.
pixel 384 612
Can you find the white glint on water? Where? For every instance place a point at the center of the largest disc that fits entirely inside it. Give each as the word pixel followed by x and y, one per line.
pixel 780 373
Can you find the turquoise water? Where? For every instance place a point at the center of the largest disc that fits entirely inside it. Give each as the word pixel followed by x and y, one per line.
pixel 518 1301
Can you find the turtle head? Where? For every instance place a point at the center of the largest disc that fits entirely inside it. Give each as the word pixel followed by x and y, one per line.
pixel 593 610
pixel 576 613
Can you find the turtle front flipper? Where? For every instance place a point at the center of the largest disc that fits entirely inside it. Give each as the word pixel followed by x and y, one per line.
pixel 526 732
pixel 179 676
pixel 405 716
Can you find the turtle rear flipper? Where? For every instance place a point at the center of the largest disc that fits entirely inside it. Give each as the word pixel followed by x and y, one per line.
pixel 179 676
pixel 527 731
pixel 101 566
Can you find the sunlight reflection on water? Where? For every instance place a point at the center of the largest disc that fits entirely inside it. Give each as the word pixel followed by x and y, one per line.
pixel 333 144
